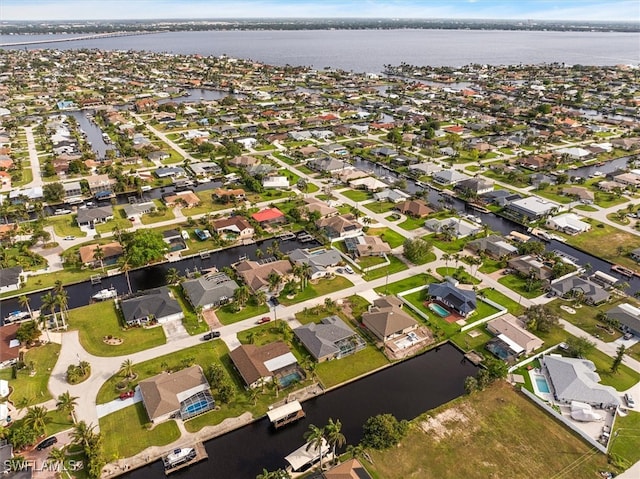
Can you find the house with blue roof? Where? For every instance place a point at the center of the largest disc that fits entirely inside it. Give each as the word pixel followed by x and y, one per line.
pixel 462 301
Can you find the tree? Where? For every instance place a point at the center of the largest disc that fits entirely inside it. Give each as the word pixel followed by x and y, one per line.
pixel 173 276
pixel 470 385
pixel 417 250
pixel 53 192
pixel 275 280
pixel 49 302
pixel 335 438
pixel 36 419
pixel 126 368
pixel 144 246
pixel 24 303
pixel 241 295
pixel 315 439
pixel 57 455
pixel 540 318
pixel 28 332
pixel 82 434
pixel 67 403
pixel 62 299
pixel 125 267
pixel 383 431
pixel 98 254
pixel 617 361
pixel 579 346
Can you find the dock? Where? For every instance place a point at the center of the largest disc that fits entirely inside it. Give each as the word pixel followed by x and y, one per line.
pixel 286 414
pixel 629 273
pixel 205 255
pixel 96 279
pixel 201 455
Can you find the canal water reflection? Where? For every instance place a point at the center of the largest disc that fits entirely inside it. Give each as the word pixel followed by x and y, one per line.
pixel 405 390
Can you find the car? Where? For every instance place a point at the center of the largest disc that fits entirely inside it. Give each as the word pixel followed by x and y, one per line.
pixel 339 271
pixel 211 335
pixel 628 336
pixel 132 219
pixel 127 394
pixel 274 301
pixel 48 442
pixel 264 319
pixel 69 238
pixel 629 400
pixel 348 269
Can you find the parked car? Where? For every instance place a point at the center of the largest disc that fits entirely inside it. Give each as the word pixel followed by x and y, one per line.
pixel 211 335
pixel 628 336
pixel 127 395
pixel 69 238
pixel 629 400
pixel 339 271
pixel 48 442
pixel 348 269
pixel 264 319
pixel 274 301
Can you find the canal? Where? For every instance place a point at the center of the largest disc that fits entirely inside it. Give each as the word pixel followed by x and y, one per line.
pixel 405 390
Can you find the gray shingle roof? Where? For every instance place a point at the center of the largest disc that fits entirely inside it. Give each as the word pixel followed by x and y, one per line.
pixel 320 339
pixel 155 302
pixel 209 289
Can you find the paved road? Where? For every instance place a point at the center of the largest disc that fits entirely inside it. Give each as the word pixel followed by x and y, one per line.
pixel 33 159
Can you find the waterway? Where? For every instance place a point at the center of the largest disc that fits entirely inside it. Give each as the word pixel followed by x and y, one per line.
pixel 405 390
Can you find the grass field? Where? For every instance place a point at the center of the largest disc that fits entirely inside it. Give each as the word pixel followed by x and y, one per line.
pixel 494 433
pixel 626 438
pixel 33 388
pixel 357 195
pixel 496 296
pixel 585 317
pixel 322 287
pixel 608 243
pixel 386 234
pixel 518 284
pixel 93 331
pixel 395 266
pixel 412 223
pixel 138 437
pixel 335 372
pixel 406 284
pixel 379 206
pixel 227 314
pixel 65 225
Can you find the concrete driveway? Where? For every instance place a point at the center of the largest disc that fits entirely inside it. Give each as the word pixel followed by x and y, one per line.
pixel 117 404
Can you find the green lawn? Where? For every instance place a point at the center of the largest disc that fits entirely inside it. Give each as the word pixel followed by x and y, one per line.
pixel 622 380
pixel 625 442
pixel 315 290
pixel 464 341
pixel 462 276
pixel 496 296
pixel 388 235
pixel 585 208
pixel 368 261
pixel 190 320
pixel 55 422
pixel 65 225
pixel 228 315
pixel 499 430
pixel 338 371
pixel 157 216
pixel 607 243
pixel 554 193
pixel 109 226
pixel 357 195
pixel 490 266
pixel 98 320
pixel 585 317
pixel 406 284
pixel 33 388
pixel 412 223
pixel 518 284
pixel 380 206
pixel 131 423
pixel 395 265
pixel 454 246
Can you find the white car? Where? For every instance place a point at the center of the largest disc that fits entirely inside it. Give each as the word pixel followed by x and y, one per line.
pixel 348 269
pixel 69 238
pixel 629 400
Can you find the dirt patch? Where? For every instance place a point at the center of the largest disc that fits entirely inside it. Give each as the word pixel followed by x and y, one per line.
pixel 440 426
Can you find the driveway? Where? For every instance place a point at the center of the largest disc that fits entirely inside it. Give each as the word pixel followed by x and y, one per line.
pixel 117 404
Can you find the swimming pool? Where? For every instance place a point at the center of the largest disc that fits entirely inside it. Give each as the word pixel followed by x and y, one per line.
pixel 196 407
pixel 439 310
pixel 289 379
pixel 542 385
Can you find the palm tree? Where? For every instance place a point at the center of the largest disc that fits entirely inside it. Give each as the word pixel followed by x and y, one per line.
pixel 126 368
pixel 36 419
pixel 24 303
pixel 335 438
pixel 306 273
pixel 315 438
pixel 275 280
pixel 98 254
pixel 125 267
pixel 67 403
pixel 49 302
pixel 446 257
pixel 57 455
pixel 259 253
pixel 62 298
pixel 82 434
pixel 173 276
pixel 241 295
pixel 260 297
pixel 253 395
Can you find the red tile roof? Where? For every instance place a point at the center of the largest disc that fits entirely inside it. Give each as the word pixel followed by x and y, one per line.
pixel 269 214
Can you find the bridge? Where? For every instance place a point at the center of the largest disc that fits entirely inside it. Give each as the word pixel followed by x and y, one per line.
pixel 93 36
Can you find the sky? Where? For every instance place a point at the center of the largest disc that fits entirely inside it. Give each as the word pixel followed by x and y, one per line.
pixel 624 10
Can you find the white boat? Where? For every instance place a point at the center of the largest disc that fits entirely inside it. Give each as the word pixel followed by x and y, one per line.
pixel 16 316
pixel 179 456
pixel 104 294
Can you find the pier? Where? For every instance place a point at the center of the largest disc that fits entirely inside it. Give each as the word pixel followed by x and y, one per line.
pixel 201 455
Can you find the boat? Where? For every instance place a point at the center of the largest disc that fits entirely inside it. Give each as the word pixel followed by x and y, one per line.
pixel 104 294
pixel 596 174
pixel 179 456
pixel 283 415
pixel 306 456
pixel 540 234
pixel 16 316
pixel 623 270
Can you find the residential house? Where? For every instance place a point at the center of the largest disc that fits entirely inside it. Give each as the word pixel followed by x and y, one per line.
pixel 153 305
pixel 529 266
pixel 9 345
pixel 391 195
pixel 170 172
pixel 426 168
pixel 318 260
pixel 335 149
pixel 514 331
pixel 188 199
pixel 72 189
pixel 328 165
pixel 628 316
pixel 329 339
pixel 462 301
pixel 256 275
pixel 234 227
pixel 210 290
pixel 459 228
pixel 449 177
pixel 269 216
pixel 575 379
pixel 10 279
pixel 174 239
pixel 493 245
pixel 258 365
pixel 139 209
pixel 99 183
pixel 111 252
pixel 244 161
pixel 575 286
pixel 349 469
pixel 368 183
pixel 228 195
pixel 474 187
pixel 367 246
pixel 384 152
pixel 173 394
pixel 205 168
pixel 89 217
pixel 585 195
pixel 158 155
pixel 340 227
pixel 19 196
pixel 530 209
pixel 323 209
pixel 415 208
pixel 386 319
pixel 568 223
pixel 275 182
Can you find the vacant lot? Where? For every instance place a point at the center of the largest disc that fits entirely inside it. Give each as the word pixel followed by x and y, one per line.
pixel 492 434
pixel 608 243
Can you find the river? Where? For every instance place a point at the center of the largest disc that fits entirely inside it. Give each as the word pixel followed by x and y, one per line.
pixel 405 390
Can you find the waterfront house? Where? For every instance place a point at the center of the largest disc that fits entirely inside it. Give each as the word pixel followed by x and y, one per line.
pixel 256 275
pixel 568 223
pixel 10 279
pixel 462 301
pixel 331 338
pixel 493 245
pixel 98 183
pixel 72 189
pixel 9 345
pixel 474 187
pixel 19 196
pixel 628 316
pixel 368 183
pixel 88 218
pixel 515 333
pixel 530 209
pixel 228 195
pixel 349 469
pixel 459 228
pixel 328 165
pixel 269 217
pixel 139 209
pixel 391 195
pixel 575 286
pixel 386 319
pixel 323 209
pixel 529 266
pixel 340 227
pixel 210 290
pixel 234 227
pixel 449 177
pixel 170 172
pixel 575 379
pixel 188 199
pixel 259 365
pixel 205 168
pixel 415 208
pixel 174 394
pixel 155 304
pixel 367 246
pixel 111 252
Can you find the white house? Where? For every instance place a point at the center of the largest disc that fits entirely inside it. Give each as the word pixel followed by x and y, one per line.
pixel 569 223
pixel 276 182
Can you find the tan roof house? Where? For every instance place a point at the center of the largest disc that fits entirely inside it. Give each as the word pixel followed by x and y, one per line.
pixel 256 275
pixel 351 469
pixel 372 246
pixel 234 226
pixel 323 209
pixel 244 161
pixel 387 320
pixel 111 252
pixel 514 329
pixel 189 198
pixel 416 208
pixel 262 364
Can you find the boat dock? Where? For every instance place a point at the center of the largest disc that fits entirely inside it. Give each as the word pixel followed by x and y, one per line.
pixel 201 455
pixel 629 273
pixel 286 414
